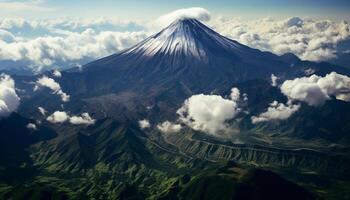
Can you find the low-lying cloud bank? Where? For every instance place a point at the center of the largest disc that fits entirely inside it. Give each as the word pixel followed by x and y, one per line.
pixel 62 116
pixel 53 86
pixel 9 101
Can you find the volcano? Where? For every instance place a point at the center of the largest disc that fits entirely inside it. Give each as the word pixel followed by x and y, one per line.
pixel 183 59
pixel 188 50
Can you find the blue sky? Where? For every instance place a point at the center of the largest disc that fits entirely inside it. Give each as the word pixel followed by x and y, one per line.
pixel 144 10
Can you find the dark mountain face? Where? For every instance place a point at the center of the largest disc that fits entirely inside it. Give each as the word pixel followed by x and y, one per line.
pixel 15 139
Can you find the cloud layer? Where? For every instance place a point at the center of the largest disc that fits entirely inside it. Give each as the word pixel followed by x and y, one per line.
pixel 309 39
pixel 9 101
pixel 45 44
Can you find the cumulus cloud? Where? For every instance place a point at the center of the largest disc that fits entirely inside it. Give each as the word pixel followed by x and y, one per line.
pixel 309 39
pixel 276 111
pixel 9 101
pixel 52 85
pixel 83 119
pixel 209 113
pixel 315 90
pixel 169 127
pixel 144 124
pixel 57 73
pixel 274 80
pixel 31 126
pixel 62 116
pixel 195 13
pixel 58 117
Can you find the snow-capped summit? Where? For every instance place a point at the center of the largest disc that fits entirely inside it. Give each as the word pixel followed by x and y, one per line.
pixel 187 37
pixel 178 38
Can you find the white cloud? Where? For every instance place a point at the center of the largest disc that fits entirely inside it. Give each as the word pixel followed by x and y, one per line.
pixel 9 101
pixel 144 124
pixel 57 73
pixel 209 113
pixel 169 127
pixel 315 90
pixel 31 126
pixel 42 111
pixel 309 39
pixel 274 80
pixel 65 49
pixel 62 116
pixel 58 117
pixel 195 12
pixel 235 94
pixel 83 119
pixel 276 111
pixel 53 85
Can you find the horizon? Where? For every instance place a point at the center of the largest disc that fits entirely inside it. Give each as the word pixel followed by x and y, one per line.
pixel 138 11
